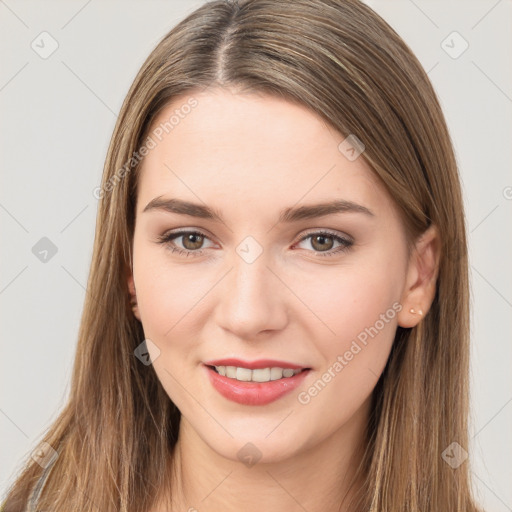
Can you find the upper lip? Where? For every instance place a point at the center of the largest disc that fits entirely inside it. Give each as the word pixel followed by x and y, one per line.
pixel 254 365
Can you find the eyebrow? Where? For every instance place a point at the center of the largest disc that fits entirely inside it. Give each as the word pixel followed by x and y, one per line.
pixel 287 215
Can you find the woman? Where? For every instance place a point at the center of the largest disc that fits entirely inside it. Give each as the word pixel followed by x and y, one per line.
pixel 277 315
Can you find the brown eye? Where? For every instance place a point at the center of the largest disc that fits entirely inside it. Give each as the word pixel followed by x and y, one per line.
pixel 192 241
pixel 325 243
pixel 186 243
pixel 322 242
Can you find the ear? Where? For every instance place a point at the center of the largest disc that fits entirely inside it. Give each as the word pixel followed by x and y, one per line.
pixel 422 271
pixel 133 295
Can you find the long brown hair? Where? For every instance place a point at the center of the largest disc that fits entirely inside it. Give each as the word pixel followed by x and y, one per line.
pixel 115 436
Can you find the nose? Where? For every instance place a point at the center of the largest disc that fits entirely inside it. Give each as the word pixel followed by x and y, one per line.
pixel 252 299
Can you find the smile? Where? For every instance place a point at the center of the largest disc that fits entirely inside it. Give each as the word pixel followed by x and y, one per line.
pixel 254 386
pixel 258 375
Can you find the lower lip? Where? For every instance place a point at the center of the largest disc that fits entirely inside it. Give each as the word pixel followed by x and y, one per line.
pixel 254 393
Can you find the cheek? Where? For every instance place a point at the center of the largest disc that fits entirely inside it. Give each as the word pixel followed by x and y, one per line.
pixel 164 301
pixel 358 309
pixel 172 312
pixel 350 299
pixel 171 300
pixel 360 305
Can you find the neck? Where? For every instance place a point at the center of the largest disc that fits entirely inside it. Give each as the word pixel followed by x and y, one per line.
pixel 320 478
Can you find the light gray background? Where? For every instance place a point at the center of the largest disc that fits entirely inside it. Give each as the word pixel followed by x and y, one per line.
pixel 57 117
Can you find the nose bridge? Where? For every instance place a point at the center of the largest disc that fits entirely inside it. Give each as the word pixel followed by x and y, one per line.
pixel 252 299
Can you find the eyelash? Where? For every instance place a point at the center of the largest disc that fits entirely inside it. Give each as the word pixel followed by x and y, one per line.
pixel 167 239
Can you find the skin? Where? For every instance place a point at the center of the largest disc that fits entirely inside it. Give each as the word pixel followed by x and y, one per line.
pixel 249 156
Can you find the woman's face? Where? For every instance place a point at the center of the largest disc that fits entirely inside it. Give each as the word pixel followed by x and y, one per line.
pixel 278 278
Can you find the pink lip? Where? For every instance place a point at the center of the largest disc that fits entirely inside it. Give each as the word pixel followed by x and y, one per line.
pixel 254 393
pixel 254 365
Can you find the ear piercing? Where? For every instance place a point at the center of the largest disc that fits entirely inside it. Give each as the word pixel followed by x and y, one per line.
pixel 413 311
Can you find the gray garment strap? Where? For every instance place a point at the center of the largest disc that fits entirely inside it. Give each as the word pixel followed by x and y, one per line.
pixel 38 489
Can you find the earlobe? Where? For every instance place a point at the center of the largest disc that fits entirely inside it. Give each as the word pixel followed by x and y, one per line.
pixel 422 272
pixel 133 297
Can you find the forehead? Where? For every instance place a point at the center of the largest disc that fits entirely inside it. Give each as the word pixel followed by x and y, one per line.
pixel 221 147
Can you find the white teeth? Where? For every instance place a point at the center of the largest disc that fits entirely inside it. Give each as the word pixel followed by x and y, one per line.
pixel 259 375
pixel 243 374
pixel 276 373
pixel 230 371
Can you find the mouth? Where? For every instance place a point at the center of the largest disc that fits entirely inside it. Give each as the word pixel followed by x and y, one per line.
pixel 242 374
pixel 265 382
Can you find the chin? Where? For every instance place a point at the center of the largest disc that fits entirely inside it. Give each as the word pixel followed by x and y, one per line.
pixel 258 449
